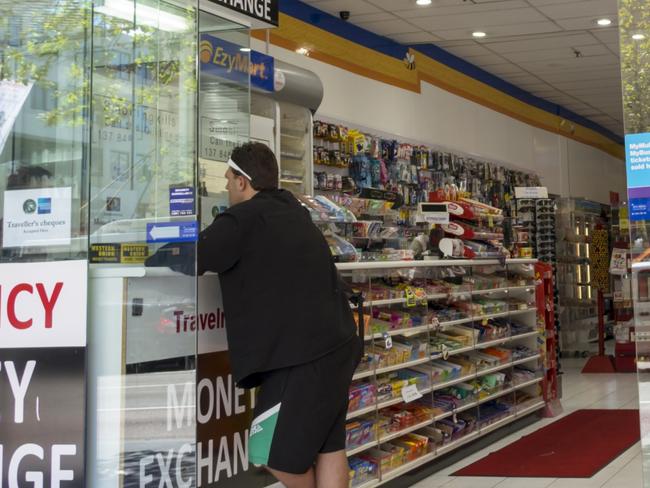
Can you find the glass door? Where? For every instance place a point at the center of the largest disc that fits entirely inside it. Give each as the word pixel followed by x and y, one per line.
pixel 142 230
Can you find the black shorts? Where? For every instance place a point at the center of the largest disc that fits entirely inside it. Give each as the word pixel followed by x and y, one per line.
pixel 300 411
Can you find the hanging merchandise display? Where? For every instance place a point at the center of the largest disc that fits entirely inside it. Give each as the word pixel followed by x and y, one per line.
pixel 385 180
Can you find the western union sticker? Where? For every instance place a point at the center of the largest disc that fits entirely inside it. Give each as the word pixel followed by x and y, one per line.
pixel 134 253
pixel 105 253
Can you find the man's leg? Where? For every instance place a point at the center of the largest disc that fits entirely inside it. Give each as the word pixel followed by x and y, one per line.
pixel 289 480
pixel 332 470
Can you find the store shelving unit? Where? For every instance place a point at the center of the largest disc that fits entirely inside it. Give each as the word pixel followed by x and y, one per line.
pixel 578 307
pixel 518 397
pixel 295 155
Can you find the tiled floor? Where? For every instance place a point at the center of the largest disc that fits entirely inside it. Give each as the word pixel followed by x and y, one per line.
pixel 580 391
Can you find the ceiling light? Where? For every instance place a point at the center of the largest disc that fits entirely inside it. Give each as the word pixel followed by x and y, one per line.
pixel 479 34
pixel 638 37
pixel 245 49
pixel 423 2
pixel 303 50
pixel 604 22
pixel 149 16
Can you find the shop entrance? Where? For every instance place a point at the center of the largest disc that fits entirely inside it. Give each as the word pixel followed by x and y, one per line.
pixel 163 409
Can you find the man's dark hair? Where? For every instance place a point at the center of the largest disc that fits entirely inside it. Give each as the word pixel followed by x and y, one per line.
pixel 259 162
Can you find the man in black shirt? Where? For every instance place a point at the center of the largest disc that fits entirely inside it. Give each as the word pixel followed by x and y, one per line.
pixel 290 328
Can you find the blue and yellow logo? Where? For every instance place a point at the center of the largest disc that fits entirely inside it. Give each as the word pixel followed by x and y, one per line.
pixel 228 60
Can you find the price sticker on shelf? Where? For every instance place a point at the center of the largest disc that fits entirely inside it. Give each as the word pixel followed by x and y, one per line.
pixel 388 340
pixel 410 393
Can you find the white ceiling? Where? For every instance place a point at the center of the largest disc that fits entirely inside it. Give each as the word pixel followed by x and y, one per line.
pixel 530 43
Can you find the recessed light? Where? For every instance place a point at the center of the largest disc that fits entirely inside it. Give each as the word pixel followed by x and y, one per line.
pixel 479 34
pixel 604 22
pixel 423 2
pixel 638 37
pixel 303 50
pixel 245 49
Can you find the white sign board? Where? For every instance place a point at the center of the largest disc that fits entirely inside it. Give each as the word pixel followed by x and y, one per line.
pixel 37 217
pixel 433 213
pixel 531 192
pixel 168 325
pixel 43 304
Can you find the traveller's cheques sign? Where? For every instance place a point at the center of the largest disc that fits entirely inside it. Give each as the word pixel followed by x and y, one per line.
pixel 42 362
pixel 37 217
pixel 265 11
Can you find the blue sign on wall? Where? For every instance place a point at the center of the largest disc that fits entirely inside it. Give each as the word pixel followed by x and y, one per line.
pixel 173 231
pixel 637 165
pixel 235 63
pixel 181 201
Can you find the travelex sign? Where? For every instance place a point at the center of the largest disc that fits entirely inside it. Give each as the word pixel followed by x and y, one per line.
pixel 637 163
pixel 263 10
pixel 227 60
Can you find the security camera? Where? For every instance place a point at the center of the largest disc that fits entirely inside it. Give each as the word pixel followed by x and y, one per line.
pixel 344 14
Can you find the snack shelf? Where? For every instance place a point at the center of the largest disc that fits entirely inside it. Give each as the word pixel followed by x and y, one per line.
pixel 455 444
pixel 443 416
pixel 408 430
pixel 388 369
pixel 396 367
pixel 396 473
pixel 451 323
pixel 440 451
pixel 363 411
pixel 505 289
pixel 407 332
pixel 369 265
pixel 494 342
pixel 511 418
pixel 525 310
pixel 364 447
pixel 525 360
pixel 525 411
pixel 455 381
pixel 442 304
pixel 509 390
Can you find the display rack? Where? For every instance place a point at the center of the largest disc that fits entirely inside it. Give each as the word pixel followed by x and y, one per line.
pixel 578 307
pixel 535 236
pixel 464 336
pixel 295 149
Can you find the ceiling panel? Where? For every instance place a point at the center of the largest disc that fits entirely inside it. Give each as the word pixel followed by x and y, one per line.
pixel 529 43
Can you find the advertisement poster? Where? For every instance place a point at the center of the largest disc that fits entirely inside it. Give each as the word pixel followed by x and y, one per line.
pixel 42 374
pixel 637 164
pixel 37 217
pixel 201 437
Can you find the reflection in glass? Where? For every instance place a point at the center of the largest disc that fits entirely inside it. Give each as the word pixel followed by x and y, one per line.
pixel 44 101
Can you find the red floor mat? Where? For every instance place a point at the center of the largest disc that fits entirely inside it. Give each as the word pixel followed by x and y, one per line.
pixel 576 446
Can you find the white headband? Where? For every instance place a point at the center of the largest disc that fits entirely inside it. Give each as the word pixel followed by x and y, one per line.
pixel 236 167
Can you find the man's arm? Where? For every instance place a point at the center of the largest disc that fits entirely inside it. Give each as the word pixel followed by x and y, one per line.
pixel 219 245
